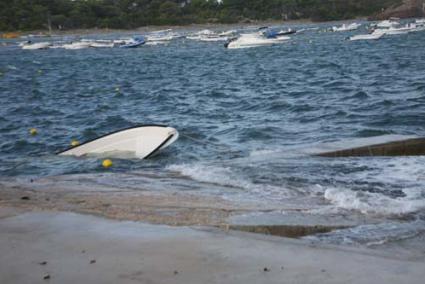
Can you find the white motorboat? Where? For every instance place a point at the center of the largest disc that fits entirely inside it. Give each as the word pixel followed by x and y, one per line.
pixel 254 40
pixel 97 44
pixel 345 28
pixel 208 35
pixel 373 36
pixel 77 45
pixel 163 42
pixel 162 35
pixel 387 24
pixel 201 34
pixel 37 45
pixel 213 38
pixel 227 33
pixel 420 22
pixel 398 31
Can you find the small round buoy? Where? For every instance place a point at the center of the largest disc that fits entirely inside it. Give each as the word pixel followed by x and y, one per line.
pixel 33 131
pixel 117 89
pixel 107 163
pixel 40 71
pixel 75 143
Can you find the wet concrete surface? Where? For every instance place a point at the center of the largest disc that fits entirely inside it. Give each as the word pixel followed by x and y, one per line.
pixel 408 147
pixel 54 247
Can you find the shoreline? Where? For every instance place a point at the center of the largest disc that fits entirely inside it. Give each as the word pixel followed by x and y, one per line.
pixel 146 29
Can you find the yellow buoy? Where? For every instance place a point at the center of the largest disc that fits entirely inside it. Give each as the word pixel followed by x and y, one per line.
pixel 33 131
pixel 107 163
pixel 75 143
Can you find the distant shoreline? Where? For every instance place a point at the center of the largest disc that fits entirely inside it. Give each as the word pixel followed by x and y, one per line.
pixel 146 29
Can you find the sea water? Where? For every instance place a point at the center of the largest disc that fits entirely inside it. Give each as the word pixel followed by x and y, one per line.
pixel 247 118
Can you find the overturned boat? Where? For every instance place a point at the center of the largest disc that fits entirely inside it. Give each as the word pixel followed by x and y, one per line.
pixel 140 141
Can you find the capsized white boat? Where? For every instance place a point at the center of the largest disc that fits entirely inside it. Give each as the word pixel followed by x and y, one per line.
pixel 253 40
pixel 37 45
pixel 141 141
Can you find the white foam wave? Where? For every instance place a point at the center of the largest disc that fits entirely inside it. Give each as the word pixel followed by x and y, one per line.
pixel 373 203
pixel 230 177
pixel 372 234
pixel 262 152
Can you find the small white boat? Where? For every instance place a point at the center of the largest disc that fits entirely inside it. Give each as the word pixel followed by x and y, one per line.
pixel 37 45
pixel 102 44
pixel 162 35
pixel 227 33
pixel 134 42
pixel 76 45
pixel 254 40
pixel 162 42
pixel 142 142
pixel 213 38
pixel 387 24
pixel 420 22
pixel 344 27
pixel 201 34
pixel 99 43
pixel 398 31
pixel 373 36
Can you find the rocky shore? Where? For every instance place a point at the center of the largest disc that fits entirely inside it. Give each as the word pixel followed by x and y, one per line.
pixel 408 9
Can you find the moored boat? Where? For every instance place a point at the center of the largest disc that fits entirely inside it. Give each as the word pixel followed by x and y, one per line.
pixel 134 42
pixel 345 27
pixel 253 40
pixel 37 45
pixel 372 36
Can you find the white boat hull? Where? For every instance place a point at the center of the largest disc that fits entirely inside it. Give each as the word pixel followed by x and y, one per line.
pixel 35 46
pixel 374 36
pixel 141 142
pixel 254 40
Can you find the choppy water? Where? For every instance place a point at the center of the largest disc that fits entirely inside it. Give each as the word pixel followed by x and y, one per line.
pixel 256 111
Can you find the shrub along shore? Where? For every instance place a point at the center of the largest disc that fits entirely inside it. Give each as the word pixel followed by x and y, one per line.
pixel 24 15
